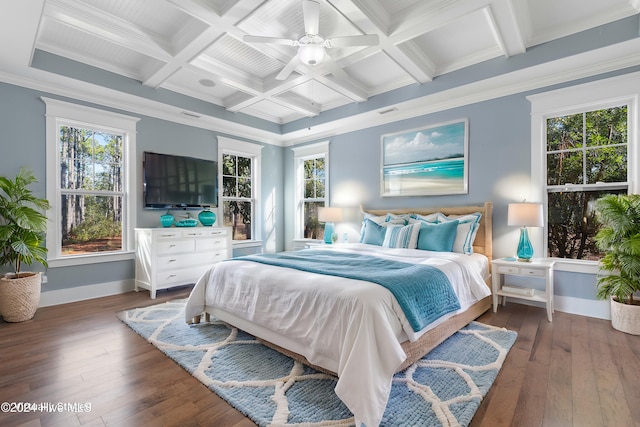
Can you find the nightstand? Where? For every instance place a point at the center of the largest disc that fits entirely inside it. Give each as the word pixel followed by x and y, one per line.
pixel 540 268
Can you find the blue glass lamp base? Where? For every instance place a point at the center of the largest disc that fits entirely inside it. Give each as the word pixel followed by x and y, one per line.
pixel 328 232
pixel 525 249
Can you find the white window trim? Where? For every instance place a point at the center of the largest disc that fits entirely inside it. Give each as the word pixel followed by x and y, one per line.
pixel 254 151
pixel 618 90
pixel 300 154
pixel 60 111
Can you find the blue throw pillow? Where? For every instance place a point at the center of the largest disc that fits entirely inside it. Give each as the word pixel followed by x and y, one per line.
pixel 373 233
pixel 437 237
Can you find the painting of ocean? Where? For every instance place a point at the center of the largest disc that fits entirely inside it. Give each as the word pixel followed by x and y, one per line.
pixel 426 161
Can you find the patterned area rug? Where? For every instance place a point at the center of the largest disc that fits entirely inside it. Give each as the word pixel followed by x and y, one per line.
pixel 444 388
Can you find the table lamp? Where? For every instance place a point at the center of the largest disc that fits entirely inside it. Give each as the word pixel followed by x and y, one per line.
pixel 329 216
pixel 525 215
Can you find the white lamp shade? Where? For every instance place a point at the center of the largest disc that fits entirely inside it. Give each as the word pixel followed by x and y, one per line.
pixel 525 215
pixel 329 214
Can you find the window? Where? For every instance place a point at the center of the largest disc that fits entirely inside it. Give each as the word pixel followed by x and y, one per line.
pixel 311 188
pixel 89 165
pixel 587 156
pixel 584 145
pixel 239 166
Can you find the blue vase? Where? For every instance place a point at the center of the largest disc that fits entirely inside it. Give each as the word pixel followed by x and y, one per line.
pixel 525 249
pixel 207 218
pixel 166 220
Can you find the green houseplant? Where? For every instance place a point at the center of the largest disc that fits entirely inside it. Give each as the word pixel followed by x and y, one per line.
pixel 22 228
pixel 619 238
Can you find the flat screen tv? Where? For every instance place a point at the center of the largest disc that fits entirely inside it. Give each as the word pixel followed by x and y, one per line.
pixel 172 181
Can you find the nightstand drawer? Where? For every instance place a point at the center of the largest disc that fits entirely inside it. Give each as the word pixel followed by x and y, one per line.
pixel 521 271
pixel 532 272
pixel 507 270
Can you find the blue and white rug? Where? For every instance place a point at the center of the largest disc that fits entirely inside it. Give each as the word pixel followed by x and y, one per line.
pixel 443 388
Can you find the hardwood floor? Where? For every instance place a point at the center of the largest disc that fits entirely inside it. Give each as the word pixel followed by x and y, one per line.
pixel 576 371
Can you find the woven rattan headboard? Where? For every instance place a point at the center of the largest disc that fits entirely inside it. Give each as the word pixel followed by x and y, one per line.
pixel 484 239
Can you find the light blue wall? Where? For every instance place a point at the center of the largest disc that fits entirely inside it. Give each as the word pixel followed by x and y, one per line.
pixel 22 143
pixel 499 171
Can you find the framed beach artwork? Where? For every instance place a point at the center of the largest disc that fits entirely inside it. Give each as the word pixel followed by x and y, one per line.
pixel 427 161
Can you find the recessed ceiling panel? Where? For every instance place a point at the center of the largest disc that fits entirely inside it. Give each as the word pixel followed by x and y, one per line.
pixel 467 40
pixel 272 111
pixel 239 55
pixel 199 86
pixel 166 21
pixel 79 46
pixel 379 73
pixel 394 7
pixel 316 93
pixel 276 18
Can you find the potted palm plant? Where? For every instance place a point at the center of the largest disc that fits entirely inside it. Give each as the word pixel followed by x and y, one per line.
pixel 619 238
pixel 22 227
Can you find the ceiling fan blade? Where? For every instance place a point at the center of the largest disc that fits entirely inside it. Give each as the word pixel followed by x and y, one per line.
pixel 365 40
pixel 335 69
pixel 311 13
pixel 274 40
pixel 286 71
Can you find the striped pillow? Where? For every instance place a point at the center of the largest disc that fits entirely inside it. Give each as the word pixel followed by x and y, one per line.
pixel 467 230
pixel 402 236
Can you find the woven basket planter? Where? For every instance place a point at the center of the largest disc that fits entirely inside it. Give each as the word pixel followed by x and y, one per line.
pixel 19 296
pixel 625 317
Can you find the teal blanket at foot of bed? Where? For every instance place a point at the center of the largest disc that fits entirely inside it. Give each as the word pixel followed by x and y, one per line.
pixel 423 292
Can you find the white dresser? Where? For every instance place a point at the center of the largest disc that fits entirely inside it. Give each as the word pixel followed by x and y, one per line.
pixel 167 257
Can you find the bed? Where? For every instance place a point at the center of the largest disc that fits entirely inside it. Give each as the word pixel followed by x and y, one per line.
pixel 347 326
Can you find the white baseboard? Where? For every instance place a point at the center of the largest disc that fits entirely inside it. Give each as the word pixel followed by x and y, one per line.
pixel 584 307
pixel 81 293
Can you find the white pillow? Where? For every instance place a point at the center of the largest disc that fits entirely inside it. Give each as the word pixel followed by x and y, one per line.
pixel 467 230
pixel 402 236
pixel 402 219
pixel 431 218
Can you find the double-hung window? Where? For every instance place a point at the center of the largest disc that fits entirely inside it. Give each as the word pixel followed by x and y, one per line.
pixel 584 146
pixel 311 166
pixel 239 174
pixel 90 156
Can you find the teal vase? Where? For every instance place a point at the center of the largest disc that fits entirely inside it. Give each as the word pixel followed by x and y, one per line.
pixel 166 220
pixel 207 218
pixel 525 249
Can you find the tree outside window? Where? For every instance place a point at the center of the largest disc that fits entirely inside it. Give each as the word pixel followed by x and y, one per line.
pixel 314 196
pixel 91 172
pixel 587 157
pixel 237 195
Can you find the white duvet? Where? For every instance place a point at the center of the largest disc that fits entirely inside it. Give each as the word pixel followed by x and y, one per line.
pixel 348 326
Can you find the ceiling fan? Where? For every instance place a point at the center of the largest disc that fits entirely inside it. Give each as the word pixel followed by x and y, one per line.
pixel 311 46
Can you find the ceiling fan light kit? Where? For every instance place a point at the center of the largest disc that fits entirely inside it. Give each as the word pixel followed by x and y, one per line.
pixel 311 53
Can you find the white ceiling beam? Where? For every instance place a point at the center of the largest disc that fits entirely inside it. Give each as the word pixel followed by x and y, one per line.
pixel 19 23
pixel 504 22
pixel 275 89
pixel 98 23
pixel 218 26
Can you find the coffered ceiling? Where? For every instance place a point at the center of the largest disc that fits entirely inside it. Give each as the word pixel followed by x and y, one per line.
pixel 197 48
